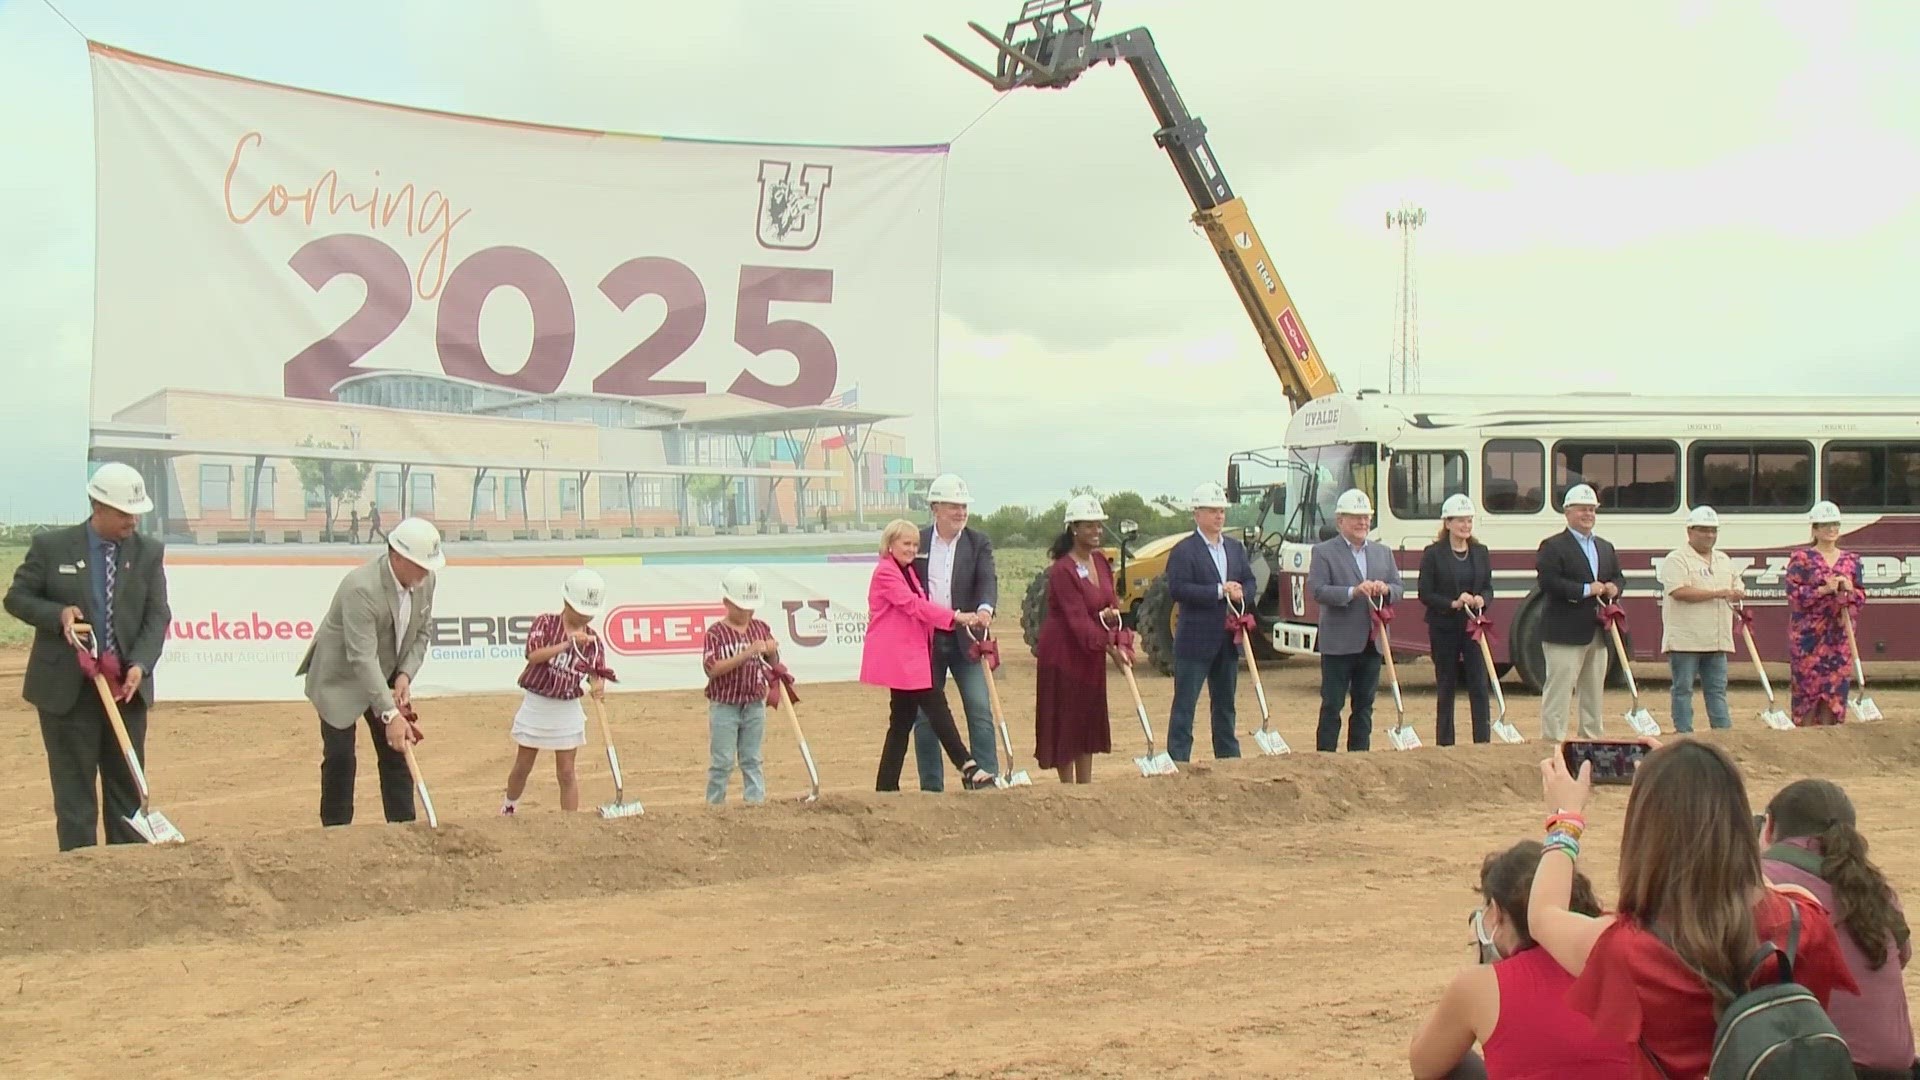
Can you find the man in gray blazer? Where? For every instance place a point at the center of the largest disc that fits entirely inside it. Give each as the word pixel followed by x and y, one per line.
pixel 364 656
pixel 1347 572
pixel 104 574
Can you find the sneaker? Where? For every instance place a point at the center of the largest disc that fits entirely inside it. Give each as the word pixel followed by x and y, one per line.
pixel 506 809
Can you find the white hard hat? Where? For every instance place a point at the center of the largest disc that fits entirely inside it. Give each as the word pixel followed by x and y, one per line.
pixel 1702 517
pixel 585 591
pixel 1456 506
pixel 418 542
pixel 1084 508
pixel 1353 501
pixel 120 486
pixel 1580 495
pixel 741 587
pixel 948 488
pixel 1209 496
pixel 1824 513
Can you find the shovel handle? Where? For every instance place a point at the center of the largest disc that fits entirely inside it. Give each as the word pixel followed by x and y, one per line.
pixel 1759 669
pixel 420 782
pixel 613 758
pixel 1859 671
pixel 1493 677
pixel 120 735
pixel 800 736
pixel 1626 662
pixel 1393 673
pixel 1139 707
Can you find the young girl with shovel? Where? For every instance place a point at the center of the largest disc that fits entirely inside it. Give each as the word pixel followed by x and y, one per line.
pixel 562 650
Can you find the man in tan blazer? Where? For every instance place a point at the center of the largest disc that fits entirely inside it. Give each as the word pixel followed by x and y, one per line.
pixel 362 663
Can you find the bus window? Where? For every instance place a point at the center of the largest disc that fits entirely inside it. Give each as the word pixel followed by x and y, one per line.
pixel 1758 477
pixel 1513 476
pixel 1629 477
pixel 1419 481
pixel 1324 472
pixel 1872 476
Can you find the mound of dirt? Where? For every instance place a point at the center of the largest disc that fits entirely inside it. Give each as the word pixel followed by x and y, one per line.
pixel 120 897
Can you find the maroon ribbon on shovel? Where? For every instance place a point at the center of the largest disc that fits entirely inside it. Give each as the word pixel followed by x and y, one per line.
pixel 1240 625
pixel 413 723
pixel 1382 615
pixel 1480 626
pixel 106 663
pixel 1744 617
pixel 778 676
pixel 1612 616
pixel 985 651
pixel 1122 639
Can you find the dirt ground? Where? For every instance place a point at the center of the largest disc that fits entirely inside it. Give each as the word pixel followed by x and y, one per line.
pixel 1289 917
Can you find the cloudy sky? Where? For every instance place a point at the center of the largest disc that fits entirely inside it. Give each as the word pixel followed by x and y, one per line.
pixel 1692 196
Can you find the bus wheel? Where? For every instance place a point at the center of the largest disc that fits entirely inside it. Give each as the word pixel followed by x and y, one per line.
pixel 1528 655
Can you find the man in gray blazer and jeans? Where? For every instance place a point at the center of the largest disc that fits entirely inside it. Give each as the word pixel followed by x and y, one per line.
pixel 362 663
pixel 1348 571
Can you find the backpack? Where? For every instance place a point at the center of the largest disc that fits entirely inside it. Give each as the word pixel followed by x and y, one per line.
pixel 1773 1032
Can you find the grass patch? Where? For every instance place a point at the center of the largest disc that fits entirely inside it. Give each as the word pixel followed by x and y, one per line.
pixel 12 630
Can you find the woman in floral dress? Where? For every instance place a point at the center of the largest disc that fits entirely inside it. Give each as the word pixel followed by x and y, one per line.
pixel 1822 581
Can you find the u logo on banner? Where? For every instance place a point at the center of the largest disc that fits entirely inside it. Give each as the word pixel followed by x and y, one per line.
pixel 791 207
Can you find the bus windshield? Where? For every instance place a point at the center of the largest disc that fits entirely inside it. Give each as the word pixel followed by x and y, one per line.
pixel 1323 473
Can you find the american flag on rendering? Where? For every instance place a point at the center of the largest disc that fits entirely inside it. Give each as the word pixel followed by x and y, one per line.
pixel 845 399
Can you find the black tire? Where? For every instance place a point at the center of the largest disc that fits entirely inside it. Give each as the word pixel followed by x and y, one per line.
pixel 1153 620
pixel 1033 610
pixel 1524 647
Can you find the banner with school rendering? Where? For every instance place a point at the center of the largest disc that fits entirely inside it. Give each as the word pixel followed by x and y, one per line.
pixel 311 309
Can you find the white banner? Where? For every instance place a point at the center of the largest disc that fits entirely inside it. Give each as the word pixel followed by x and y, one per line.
pixel 239 630
pixel 276 246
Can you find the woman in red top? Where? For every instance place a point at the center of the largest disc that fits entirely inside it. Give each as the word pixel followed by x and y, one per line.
pixel 1689 871
pixel 1513 1006
pixel 1070 677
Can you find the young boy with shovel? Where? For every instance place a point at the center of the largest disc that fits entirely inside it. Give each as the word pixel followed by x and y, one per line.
pixel 562 651
pixel 739 652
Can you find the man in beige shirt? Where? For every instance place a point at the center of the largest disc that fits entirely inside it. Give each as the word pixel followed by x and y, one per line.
pixel 1698 587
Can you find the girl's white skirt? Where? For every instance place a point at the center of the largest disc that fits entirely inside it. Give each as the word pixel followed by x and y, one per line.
pixel 545 723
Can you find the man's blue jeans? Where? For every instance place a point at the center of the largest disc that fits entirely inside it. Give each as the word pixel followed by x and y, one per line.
pixel 1711 669
pixel 1221 675
pixel 950 657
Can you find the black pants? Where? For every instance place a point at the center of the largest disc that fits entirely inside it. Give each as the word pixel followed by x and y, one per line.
pixel 337 769
pixel 80 750
pixel 1454 656
pixel 1356 675
pixel 903 711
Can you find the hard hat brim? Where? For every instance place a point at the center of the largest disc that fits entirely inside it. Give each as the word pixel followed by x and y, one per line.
pixel 432 564
pixel 743 605
pixel 589 610
pixel 143 505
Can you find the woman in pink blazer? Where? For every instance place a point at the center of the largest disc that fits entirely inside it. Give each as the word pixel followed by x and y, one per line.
pixel 897 655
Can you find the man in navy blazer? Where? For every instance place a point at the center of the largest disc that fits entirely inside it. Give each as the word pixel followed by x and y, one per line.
pixel 1204 571
pixel 956 565
pixel 1347 574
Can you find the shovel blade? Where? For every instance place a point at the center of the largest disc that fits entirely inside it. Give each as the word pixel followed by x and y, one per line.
pixel 1776 720
pixel 1507 733
pixel 1865 709
pixel 1403 738
pixel 620 810
pixel 1019 779
pixel 1158 765
pixel 1271 743
pixel 154 828
pixel 1642 722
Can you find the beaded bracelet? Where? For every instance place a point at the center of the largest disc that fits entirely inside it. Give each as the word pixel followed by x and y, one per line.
pixel 1562 841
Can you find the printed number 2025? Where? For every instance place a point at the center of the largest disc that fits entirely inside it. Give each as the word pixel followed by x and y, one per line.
pixel 318 368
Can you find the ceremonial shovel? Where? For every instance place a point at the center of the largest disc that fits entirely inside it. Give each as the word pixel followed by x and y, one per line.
pixel 1240 623
pixel 1772 716
pixel 1638 718
pixel 1153 764
pixel 1862 706
pixel 986 651
pixel 1480 629
pixel 151 824
pixel 782 682
pixel 1401 734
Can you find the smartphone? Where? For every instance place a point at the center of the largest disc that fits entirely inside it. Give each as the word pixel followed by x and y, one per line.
pixel 1613 760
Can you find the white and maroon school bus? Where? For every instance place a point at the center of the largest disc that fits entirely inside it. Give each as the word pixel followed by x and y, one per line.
pixel 1760 462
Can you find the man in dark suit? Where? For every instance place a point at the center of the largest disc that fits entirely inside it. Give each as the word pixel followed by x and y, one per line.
pixel 104 574
pixel 1204 571
pixel 1577 572
pixel 1348 572
pixel 956 563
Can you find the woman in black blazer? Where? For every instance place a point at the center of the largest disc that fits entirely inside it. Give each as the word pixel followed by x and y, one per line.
pixel 1456 572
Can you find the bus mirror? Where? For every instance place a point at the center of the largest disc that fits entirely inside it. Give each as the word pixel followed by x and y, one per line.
pixel 1233 482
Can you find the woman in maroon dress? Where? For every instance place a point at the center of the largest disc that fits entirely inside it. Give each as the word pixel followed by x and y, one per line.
pixel 1070 686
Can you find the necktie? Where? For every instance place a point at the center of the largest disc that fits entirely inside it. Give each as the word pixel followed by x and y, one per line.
pixel 112 553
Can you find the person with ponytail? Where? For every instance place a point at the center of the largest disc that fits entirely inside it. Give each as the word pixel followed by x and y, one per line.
pixel 1692 911
pixel 1809 839
pixel 1511 1003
